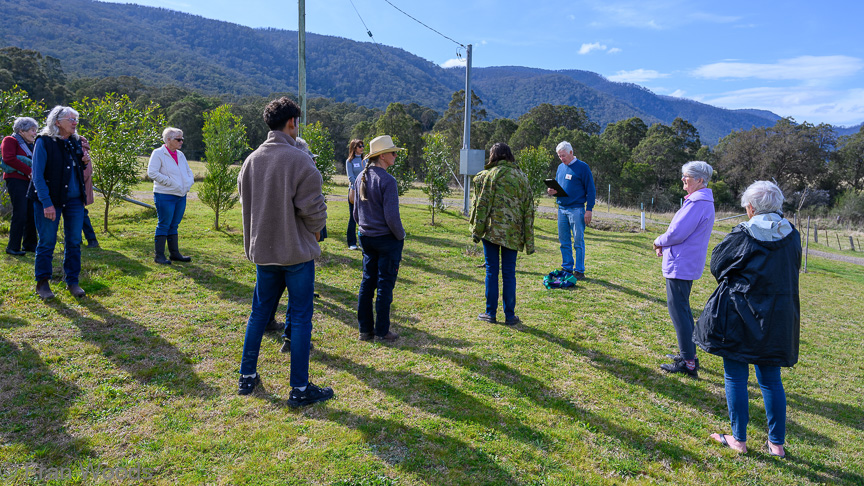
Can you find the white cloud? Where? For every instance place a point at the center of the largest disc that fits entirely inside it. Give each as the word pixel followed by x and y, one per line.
pixel 614 50
pixel 678 93
pixel 453 63
pixel 636 76
pixel 802 103
pixel 594 46
pixel 807 68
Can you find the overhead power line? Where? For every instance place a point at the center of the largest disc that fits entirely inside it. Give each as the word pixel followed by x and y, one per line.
pixel 365 27
pixel 424 25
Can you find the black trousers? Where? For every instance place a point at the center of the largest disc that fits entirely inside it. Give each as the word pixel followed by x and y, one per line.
pixel 23 225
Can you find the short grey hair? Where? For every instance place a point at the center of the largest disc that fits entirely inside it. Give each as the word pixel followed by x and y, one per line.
pixel 50 129
pixel 764 196
pixel 698 169
pixel 564 146
pixel 24 123
pixel 170 133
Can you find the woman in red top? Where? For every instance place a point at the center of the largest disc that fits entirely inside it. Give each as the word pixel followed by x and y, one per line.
pixel 17 180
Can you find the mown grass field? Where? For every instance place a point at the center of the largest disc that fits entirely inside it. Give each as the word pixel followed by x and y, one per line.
pixel 143 372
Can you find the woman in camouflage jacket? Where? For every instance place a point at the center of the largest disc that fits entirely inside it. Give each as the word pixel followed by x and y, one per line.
pixel 502 216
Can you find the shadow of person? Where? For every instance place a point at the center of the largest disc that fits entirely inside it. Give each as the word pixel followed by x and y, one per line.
pixel 227 288
pixel 35 408
pixel 844 414
pixel 433 457
pixel 628 291
pixel 139 351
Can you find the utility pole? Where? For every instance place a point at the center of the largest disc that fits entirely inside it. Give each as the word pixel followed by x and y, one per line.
pixel 466 131
pixel 301 58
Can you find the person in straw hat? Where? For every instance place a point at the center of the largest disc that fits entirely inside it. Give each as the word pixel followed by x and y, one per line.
pixel 382 236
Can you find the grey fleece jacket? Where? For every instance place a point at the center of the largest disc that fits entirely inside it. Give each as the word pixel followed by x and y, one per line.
pixel 283 207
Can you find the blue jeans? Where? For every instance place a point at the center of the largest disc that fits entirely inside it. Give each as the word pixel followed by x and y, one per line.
pixel 508 277
pixel 73 219
pixel 351 233
pixel 678 303
pixel 736 374
pixel 381 257
pixel 271 281
pixel 169 211
pixel 89 234
pixel 571 235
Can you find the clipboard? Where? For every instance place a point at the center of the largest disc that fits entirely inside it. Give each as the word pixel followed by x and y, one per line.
pixel 553 184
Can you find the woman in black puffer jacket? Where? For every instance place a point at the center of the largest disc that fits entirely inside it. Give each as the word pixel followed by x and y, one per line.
pixel 754 315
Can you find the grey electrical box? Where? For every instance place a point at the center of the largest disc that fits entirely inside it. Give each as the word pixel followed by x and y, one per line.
pixel 471 162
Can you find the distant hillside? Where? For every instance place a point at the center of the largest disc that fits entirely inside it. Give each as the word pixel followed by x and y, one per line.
pixel 161 47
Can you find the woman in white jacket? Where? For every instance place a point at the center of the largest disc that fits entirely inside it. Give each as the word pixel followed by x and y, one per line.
pixel 172 179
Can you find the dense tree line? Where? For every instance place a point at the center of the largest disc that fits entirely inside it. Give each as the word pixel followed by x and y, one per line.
pixel 638 162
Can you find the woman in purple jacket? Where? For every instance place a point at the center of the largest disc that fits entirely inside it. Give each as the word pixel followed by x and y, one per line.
pixel 684 247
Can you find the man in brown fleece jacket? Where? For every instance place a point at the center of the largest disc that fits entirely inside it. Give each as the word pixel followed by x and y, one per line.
pixel 283 214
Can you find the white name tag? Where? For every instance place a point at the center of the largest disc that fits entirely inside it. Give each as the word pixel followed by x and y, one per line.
pixel 568 176
pixel 356 165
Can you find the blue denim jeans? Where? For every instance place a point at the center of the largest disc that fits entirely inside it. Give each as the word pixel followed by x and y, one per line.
pixel 508 277
pixel 169 211
pixel 89 233
pixel 678 303
pixel 271 281
pixel 571 235
pixel 381 257
pixel 736 374
pixel 73 218
pixel 351 232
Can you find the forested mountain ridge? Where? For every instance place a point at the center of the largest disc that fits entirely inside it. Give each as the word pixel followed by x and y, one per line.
pixel 160 47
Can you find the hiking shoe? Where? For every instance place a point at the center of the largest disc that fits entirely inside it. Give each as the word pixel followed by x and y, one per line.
pixel 312 394
pixel 677 357
pixel 44 290
pixel 10 251
pixel 247 384
pixel 579 275
pixel 93 244
pixel 286 346
pixel 274 325
pixel 389 337
pixel 366 336
pixel 76 290
pixel 512 321
pixel 680 366
pixel 486 317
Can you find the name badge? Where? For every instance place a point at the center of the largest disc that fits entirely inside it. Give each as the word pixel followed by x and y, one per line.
pixel 568 176
pixel 356 165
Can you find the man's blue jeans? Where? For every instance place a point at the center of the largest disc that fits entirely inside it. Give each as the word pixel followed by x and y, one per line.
pixel 736 374
pixel 571 235
pixel 381 257
pixel 73 218
pixel 169 213
pixel 508 277
pixel 271 281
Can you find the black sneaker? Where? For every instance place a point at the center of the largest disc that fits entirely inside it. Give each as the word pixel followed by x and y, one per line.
pixel 680 366
pixel 286 346
pixel 486 317
pixel 512 321
pixel 677 357
pixel 579 275
pixel 274 325
pixel 247 384
pixel 312 394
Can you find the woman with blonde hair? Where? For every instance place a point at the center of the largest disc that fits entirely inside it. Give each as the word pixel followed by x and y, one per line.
pixel 382 237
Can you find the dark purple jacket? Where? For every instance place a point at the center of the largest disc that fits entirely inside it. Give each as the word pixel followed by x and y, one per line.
pixel 685 243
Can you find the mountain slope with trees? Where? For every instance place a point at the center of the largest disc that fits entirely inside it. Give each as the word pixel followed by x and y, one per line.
pixel 165 47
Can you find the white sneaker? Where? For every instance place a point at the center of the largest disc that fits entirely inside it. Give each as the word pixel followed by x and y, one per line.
pixel 352 247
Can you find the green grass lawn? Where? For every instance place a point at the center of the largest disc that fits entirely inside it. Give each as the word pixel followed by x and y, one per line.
pixel 143 372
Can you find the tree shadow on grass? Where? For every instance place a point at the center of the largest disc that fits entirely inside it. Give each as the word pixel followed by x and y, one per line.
pixel 628 291
pixel 226 288
pixel 142 353
pixel 420 262
pixel 35 409
pixel 672 387
pixel 841 413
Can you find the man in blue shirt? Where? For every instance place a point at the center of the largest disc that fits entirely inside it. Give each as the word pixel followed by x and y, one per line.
pixel 574 176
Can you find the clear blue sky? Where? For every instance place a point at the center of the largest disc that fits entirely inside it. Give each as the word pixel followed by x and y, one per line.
pixel 795 58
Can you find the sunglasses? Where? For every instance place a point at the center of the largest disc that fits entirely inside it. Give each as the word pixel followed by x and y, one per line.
pixel 179 139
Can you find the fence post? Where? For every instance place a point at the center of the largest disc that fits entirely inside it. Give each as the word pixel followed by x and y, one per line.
pixel 851 244
pixel 838 241
pixel 609 200
pixel 815 233
pixel 807 245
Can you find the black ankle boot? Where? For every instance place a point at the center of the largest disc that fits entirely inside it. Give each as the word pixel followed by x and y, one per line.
pixel 160 251
pixel 174 250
